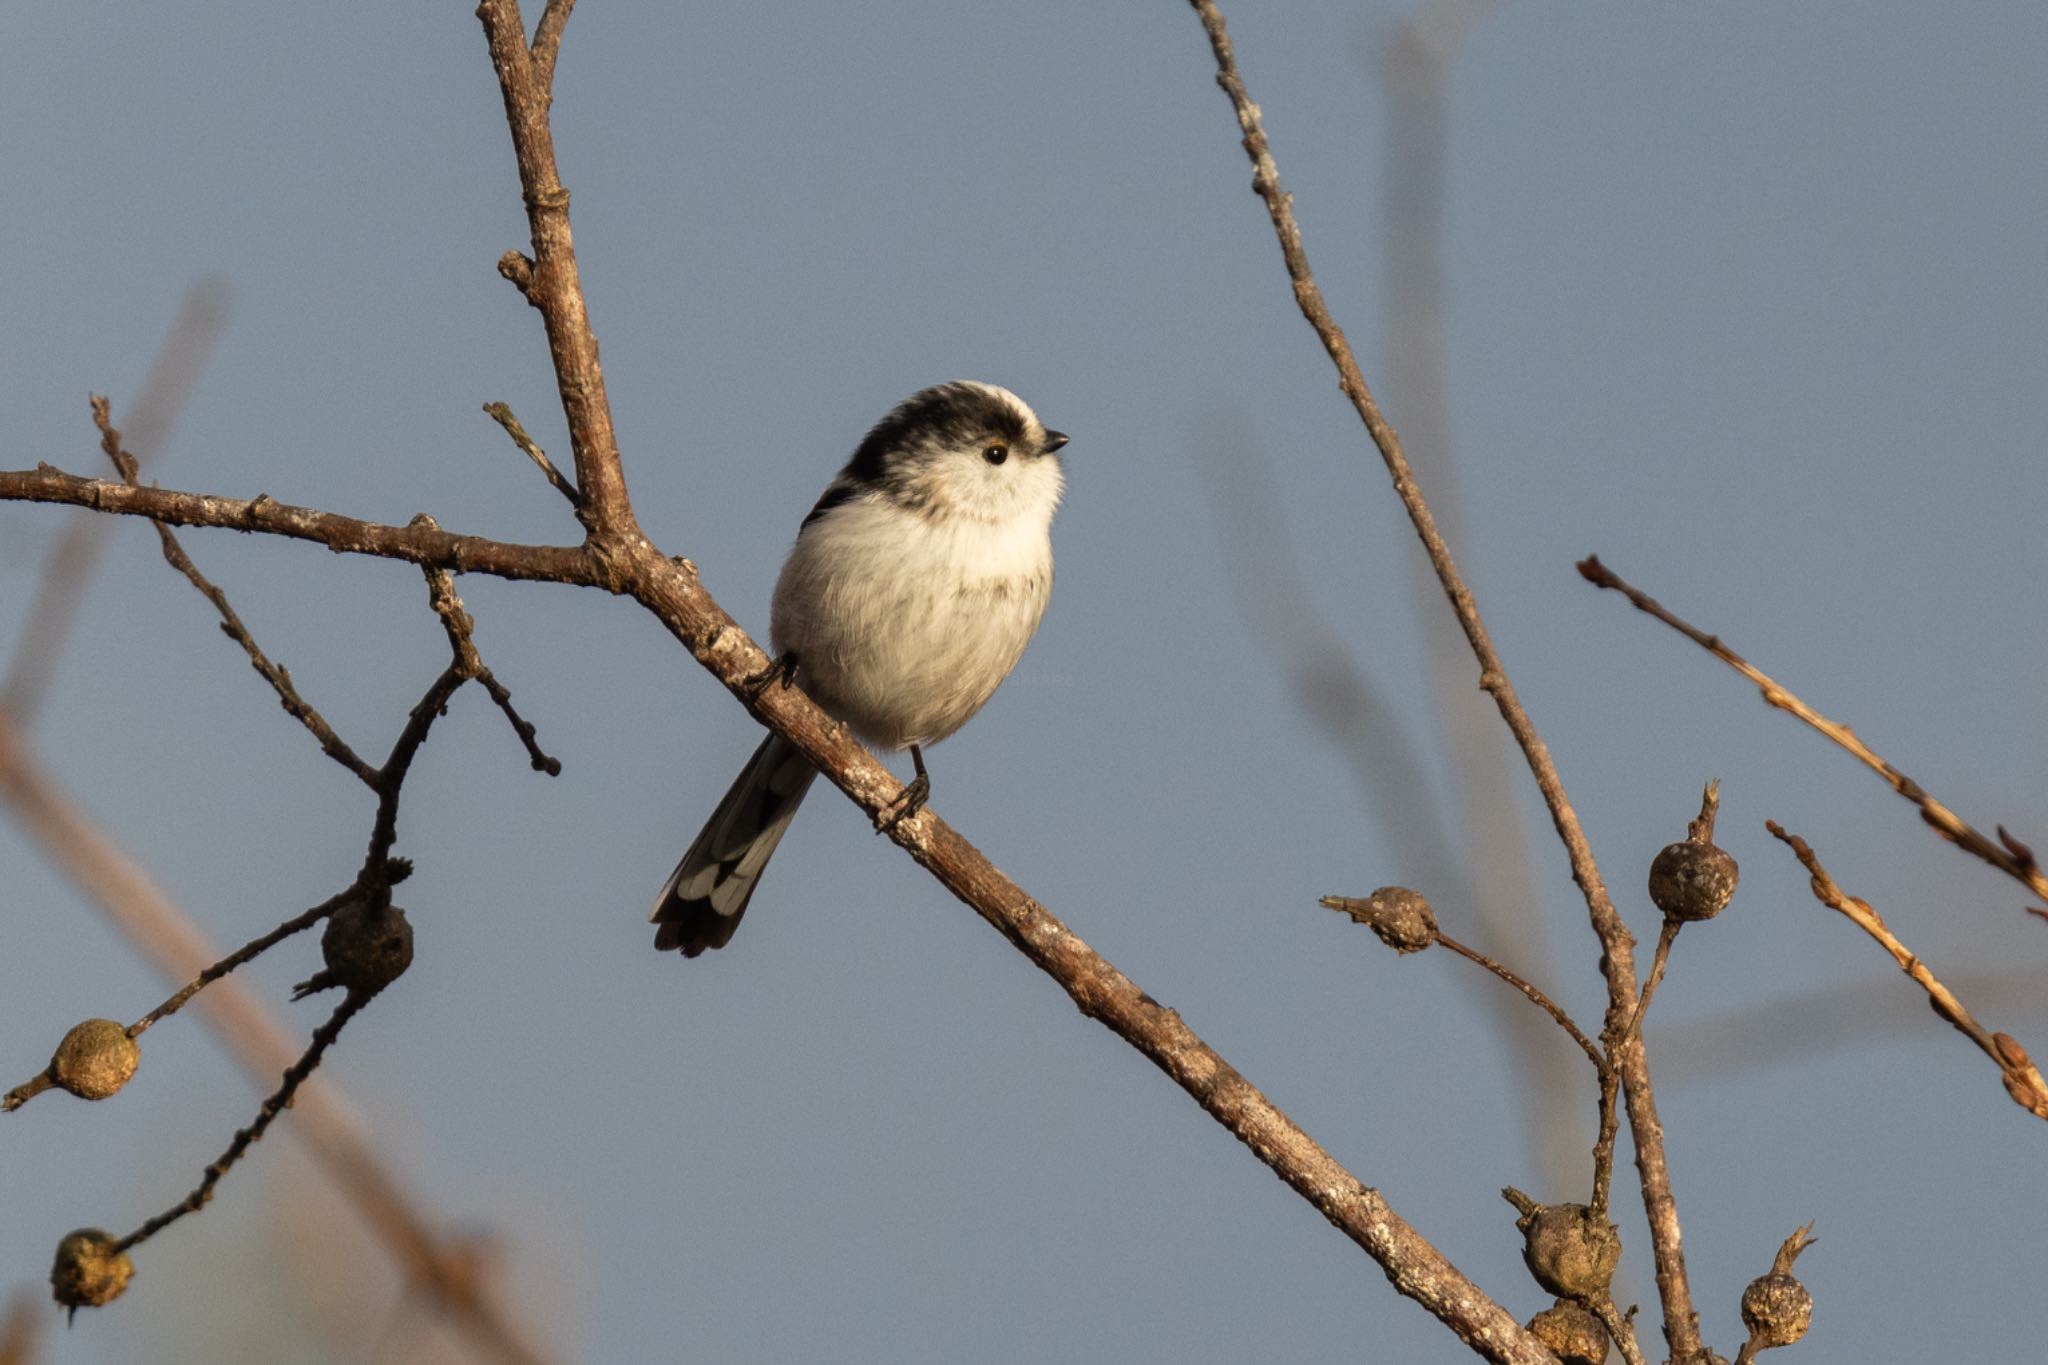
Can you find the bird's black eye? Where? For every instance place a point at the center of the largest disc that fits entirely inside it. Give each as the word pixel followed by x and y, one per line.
pixel 996 453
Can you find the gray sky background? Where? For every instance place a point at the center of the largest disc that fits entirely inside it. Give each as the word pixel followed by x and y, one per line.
pixel 1747 298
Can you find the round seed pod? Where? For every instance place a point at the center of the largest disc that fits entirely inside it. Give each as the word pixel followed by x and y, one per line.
pixel 1692 881
pixel 88 1272
pixel 1571 1331
pixel 95 1059
pixel 1776 1309
pixel 366 950
pixel 1571 1252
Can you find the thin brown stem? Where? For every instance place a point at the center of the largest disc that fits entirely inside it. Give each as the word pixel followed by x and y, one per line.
pixel 1617 946
pixel 2023 1079
pixel 1605 1075
pixel 1666 936
pixel 323 1038
pixel 1620 1330
pixel 553 288
pixel 1536 997
pixel 248 952
pixel 279 678
pixel 425 545
pixel 2007 854
pixel 501 413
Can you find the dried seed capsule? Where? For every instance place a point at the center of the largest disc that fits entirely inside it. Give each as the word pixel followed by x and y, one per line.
pixel 89 1272
pixel 365 950
pixel 1776 1309
pixel 1571 1331
pixel 1401 918
pixel 1692 881
pixel 1570 1250
pixel 95 1059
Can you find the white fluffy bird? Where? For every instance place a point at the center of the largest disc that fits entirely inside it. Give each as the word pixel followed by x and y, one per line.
pixel 910 593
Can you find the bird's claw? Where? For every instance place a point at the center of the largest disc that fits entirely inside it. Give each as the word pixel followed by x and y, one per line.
pixel 782 670
pixel 907 803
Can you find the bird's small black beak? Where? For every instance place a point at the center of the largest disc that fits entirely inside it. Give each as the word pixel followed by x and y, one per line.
pixel 1054 440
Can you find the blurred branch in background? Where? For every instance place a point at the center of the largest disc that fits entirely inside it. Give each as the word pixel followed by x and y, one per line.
pixel 20 1330
pixel 69 569
pixel 1413 67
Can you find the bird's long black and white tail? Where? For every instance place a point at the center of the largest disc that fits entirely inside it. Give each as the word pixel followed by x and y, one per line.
pixel 705 896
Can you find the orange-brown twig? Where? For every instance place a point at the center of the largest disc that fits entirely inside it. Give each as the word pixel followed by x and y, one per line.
pixel 2007 854
pixel 2023 1079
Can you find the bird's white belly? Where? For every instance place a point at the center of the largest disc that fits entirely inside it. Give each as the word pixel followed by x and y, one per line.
pixel 904 625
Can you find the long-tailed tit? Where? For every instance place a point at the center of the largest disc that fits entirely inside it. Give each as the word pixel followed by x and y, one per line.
pixel 910 593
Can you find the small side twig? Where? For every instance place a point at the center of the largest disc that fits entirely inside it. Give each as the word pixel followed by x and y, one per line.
pixel 1621 1328
pixel 2023 1080
pixel 279 678
pixel 1609 1079
pixel 323 1038
pixel 2008 855
pixel 461 628
pixel 1535 995
pixel 256 947
pixel 501 413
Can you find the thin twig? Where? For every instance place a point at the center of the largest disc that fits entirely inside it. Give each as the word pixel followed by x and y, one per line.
pixel 1617 946
pixel 461 629
pixel 1666 936
pixel 501 413
pixel 1620 1330
pixel 323 1038
pixel 427 545
pixel 2008 855
pixel 248 952
pixel 553 288
pixel 279 678
pixel 2023 1080
pixel 1536 996
pixel 1605 1076
pixel 547 40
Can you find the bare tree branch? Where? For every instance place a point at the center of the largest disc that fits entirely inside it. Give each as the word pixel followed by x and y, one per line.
pixel 618 559
pixel 427 545
pixel 1681 1322
pixel 553 287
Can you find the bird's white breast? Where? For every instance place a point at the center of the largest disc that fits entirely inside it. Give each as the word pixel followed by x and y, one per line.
pixel 904 622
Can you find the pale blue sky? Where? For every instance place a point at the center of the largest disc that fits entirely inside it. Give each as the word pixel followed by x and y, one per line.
pixel 1747 298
